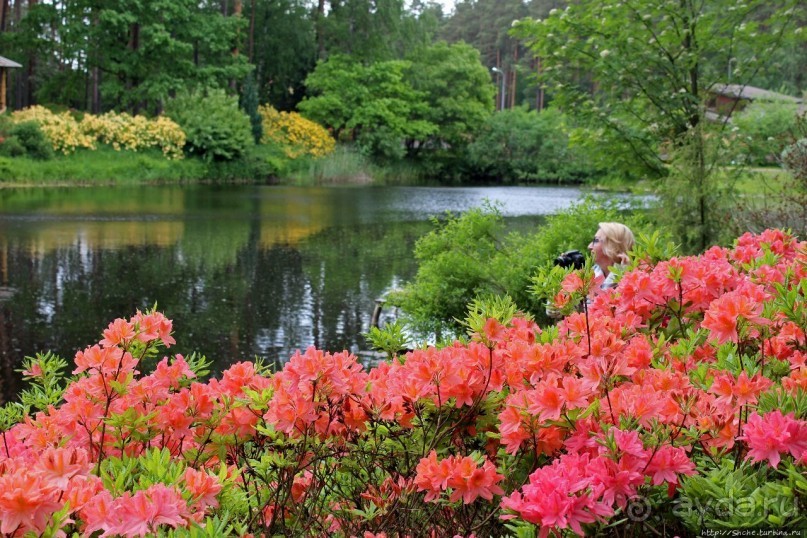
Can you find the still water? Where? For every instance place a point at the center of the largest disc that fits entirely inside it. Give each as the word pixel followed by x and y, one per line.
pixel 244 271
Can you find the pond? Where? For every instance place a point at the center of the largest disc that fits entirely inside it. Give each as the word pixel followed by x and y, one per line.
pixel 245 272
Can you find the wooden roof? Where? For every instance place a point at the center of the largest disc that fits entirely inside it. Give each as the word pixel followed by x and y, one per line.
pixel 739 91
pixel 5 62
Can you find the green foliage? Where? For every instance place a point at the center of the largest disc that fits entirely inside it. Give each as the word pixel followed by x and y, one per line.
pixel 285 55
pixel 450 272
pixel 135 55
pixel 621 151
pixel 216 129
pixel 46 378
pixel 390 339
pixel 371 31
pixel 499 307
pixel 258 162
pixel 594 53
pixel 155 466
pixel 742 497
pixel 651 248
pixel 210 527
pixel 762 130
pixel 372 105
pixel 24 138
pixel 458 94
pixel 794 157
pixel 10 414
pixel 485 24
pixel 33 140
pixel 7 169
pixel 428 107
pixel 696 198
pixel 103 166
pixel 473 255
pixel 345 165
pixel 11 147
pixel 521 145
pixel 249 104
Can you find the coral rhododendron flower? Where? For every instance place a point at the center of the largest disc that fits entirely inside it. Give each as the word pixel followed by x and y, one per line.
pixel 26 501
pixel 119 333
pixel 462 475
pixel 203 487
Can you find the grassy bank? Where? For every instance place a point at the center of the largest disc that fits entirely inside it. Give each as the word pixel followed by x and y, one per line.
pixel 107 166
pixel 260 164
pixel 102 166
pixel 746 181
pixel 266 164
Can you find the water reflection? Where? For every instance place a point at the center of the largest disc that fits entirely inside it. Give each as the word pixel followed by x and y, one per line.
pixel 244 272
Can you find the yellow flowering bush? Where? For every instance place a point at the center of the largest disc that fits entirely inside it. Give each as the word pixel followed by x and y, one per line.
pixel 295 134
pixel 121 131
pixel 62 130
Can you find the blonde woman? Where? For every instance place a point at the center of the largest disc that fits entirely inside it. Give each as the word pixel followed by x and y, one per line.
pixel 609 248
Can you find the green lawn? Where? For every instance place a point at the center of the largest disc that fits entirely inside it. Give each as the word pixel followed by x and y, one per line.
pixel 101 166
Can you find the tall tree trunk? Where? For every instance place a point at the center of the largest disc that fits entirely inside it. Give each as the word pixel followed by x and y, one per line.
pixel 133 46
pixel 320 26
pixel 540 94
pixel 3 75
pixel 237 9
pixel 3 15
pixel 515 76
pixel 95 73
pixel 19 80
pixel 250 50
pixel 95 90
pixel 31 70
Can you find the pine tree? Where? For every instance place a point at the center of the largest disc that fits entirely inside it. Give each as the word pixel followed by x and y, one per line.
pixel 249 104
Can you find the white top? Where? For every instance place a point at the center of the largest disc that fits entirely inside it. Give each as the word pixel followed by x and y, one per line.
pixel 609 281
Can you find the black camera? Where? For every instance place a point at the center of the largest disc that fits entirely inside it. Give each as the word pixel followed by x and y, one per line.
pixel 571 258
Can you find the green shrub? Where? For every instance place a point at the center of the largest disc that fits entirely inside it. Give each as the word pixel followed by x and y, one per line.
pixel 33 140
pixel 521 145
pixel 215 127
pixel 249 104
pixel 474 255
pixel 7 169
pixel 11 147
pixel 794 157
pixel 762 130
pixel 258 163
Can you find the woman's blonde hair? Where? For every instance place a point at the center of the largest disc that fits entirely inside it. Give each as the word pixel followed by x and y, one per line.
pixel 618 239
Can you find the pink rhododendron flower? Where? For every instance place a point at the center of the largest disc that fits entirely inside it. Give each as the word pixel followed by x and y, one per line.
pixel 667 463
pixel 770 436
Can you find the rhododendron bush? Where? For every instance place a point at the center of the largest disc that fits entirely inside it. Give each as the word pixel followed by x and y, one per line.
pixel 675 402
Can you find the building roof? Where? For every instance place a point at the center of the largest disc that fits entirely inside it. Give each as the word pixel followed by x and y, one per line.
pixel 5 62
pixel 751 93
